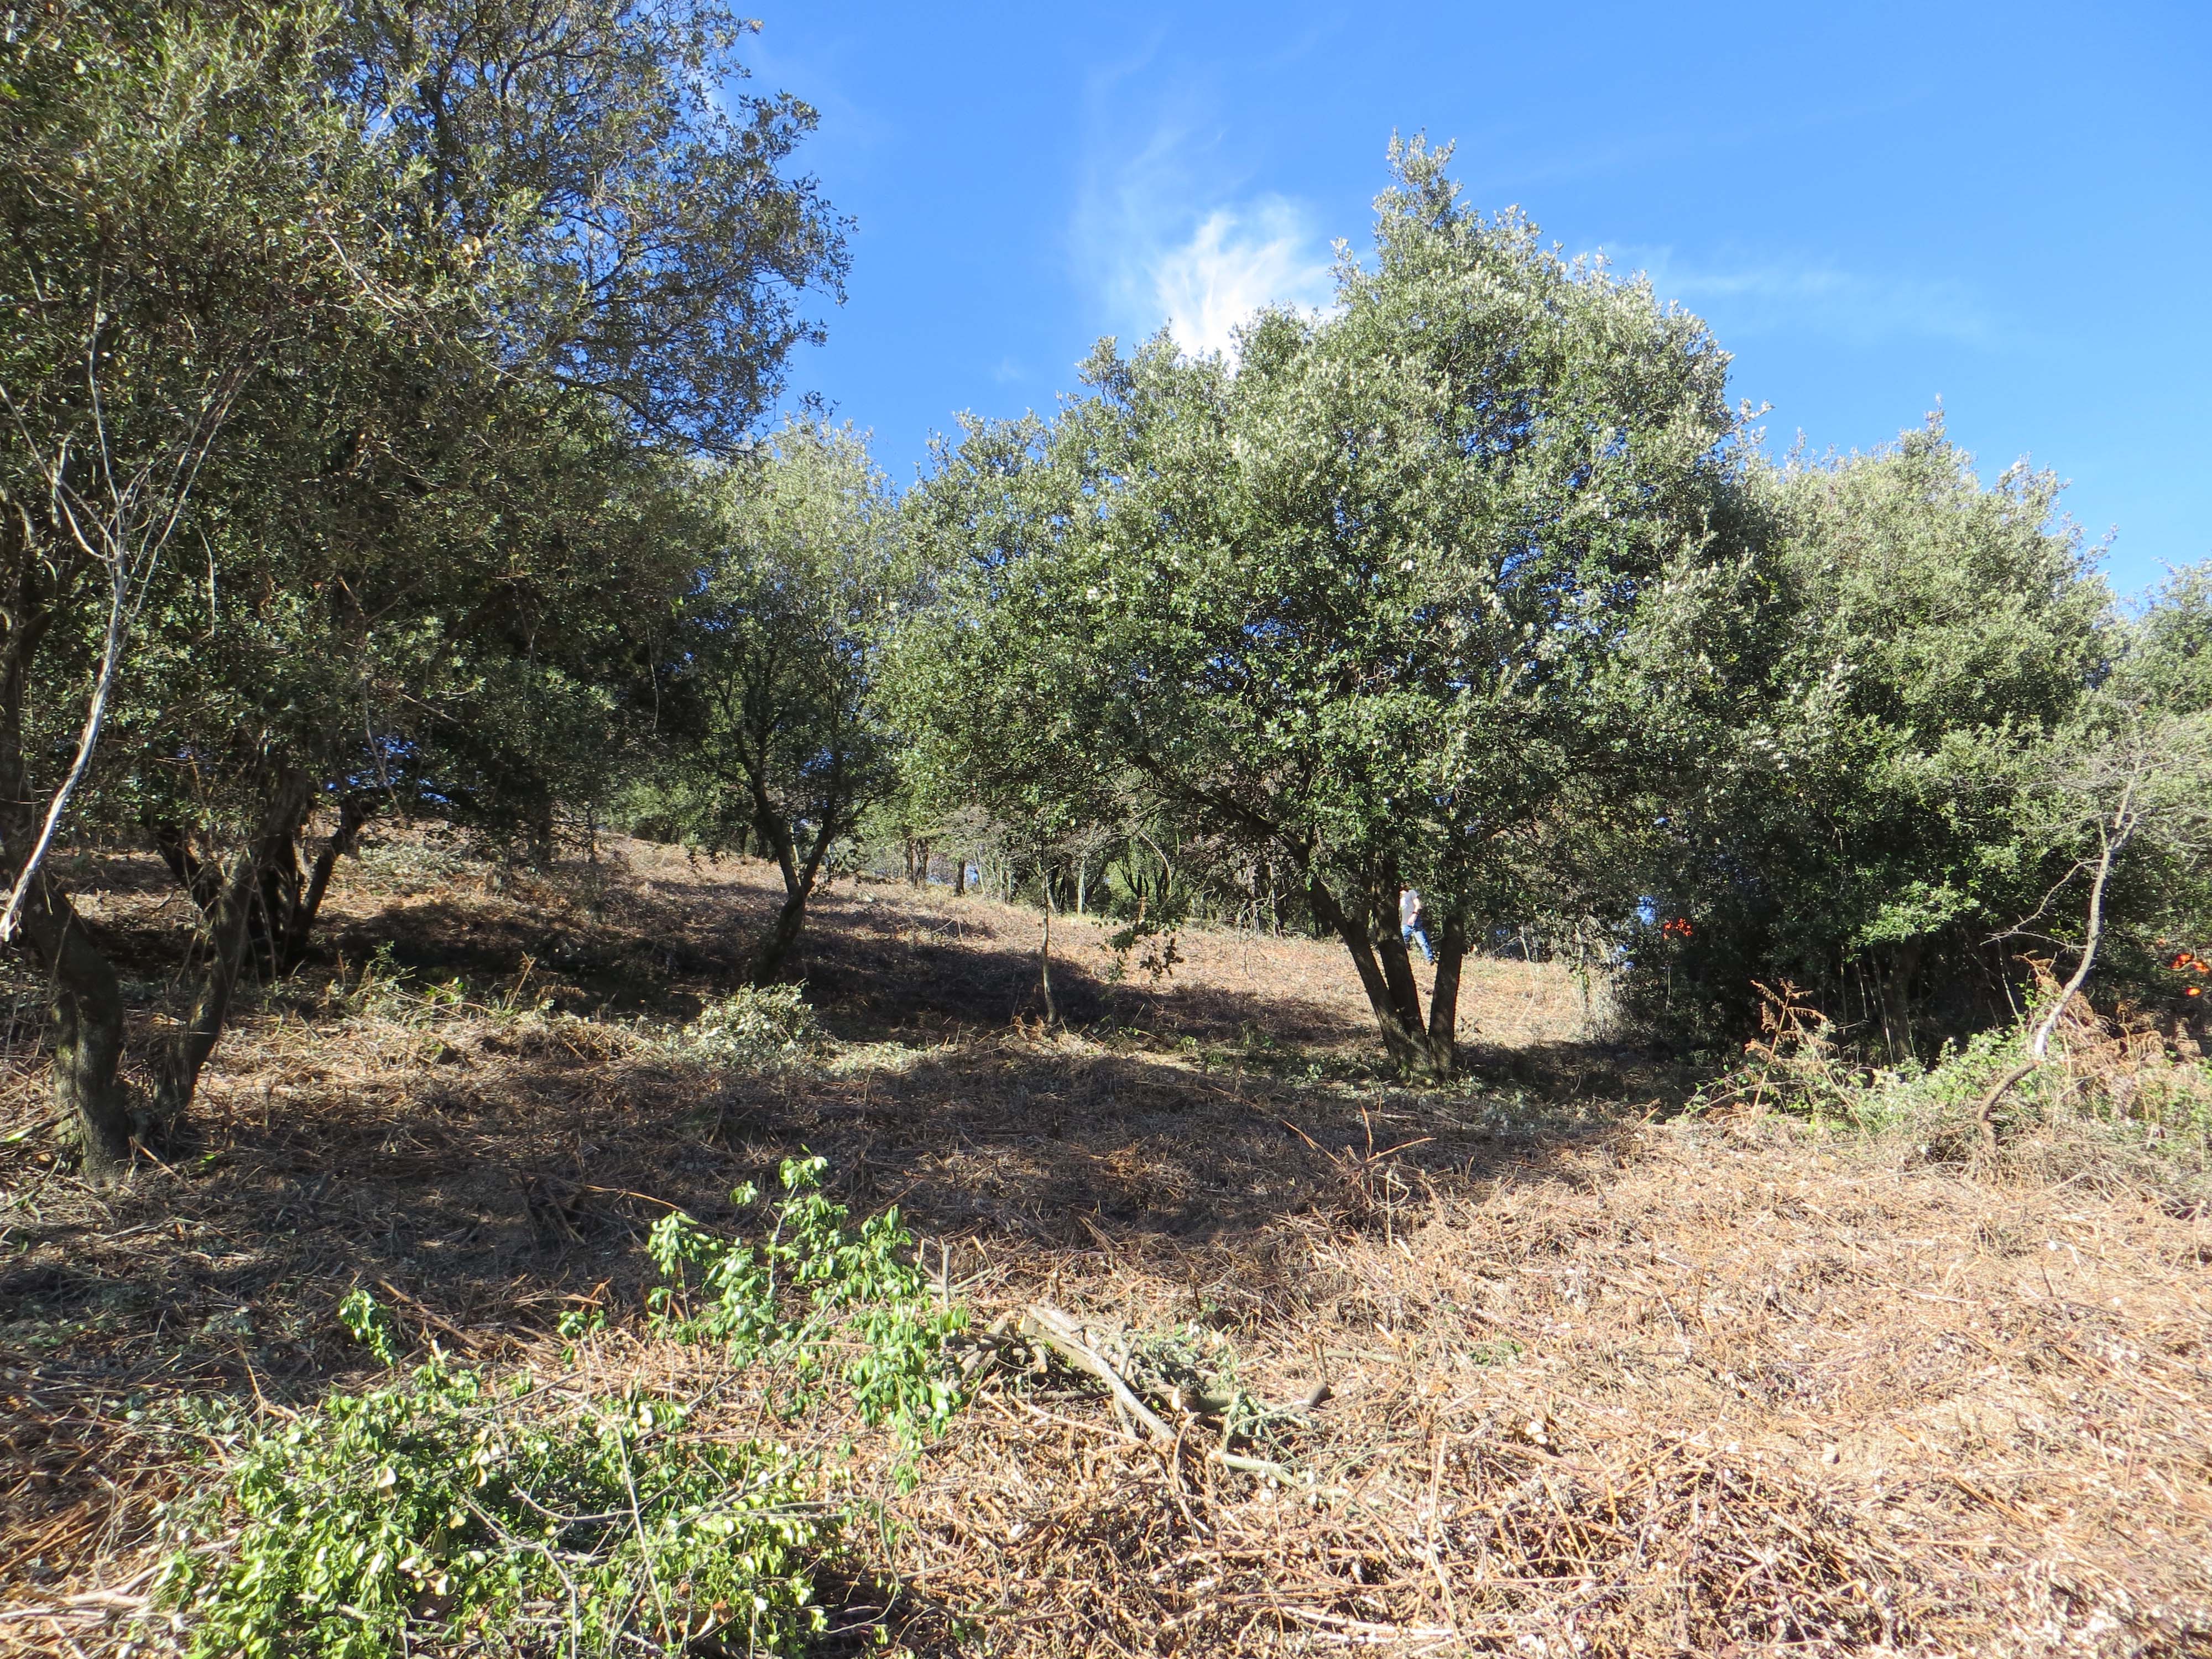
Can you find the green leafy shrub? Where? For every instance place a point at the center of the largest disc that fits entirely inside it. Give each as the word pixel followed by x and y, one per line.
pixel 811 1288
pixel 2112 1102
pixel 368 1323
pixel 444 1513
pixel 758 1027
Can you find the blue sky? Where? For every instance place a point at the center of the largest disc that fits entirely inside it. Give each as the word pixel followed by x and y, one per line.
pixel 2007 208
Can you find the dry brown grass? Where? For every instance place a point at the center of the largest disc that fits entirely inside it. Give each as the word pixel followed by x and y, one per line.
pixel 1602 1383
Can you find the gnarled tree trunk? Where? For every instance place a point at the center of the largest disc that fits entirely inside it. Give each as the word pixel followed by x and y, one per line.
pixel 87 1001
pixel 282 913
pixel 82 992
pixel 353 812
pixel 1406 1045
pixel 224 942
pixel 1443 999
pixel 799 871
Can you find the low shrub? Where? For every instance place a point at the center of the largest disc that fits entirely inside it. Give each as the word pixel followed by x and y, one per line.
pixel 817 1298
pixel 2113 1097
pixel 446 1514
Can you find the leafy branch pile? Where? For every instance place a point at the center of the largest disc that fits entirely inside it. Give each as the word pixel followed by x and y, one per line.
pixel 817 1301
pixel 448 1512
pixel 754 1027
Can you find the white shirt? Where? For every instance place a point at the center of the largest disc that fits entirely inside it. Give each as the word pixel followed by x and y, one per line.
pixel 1409 907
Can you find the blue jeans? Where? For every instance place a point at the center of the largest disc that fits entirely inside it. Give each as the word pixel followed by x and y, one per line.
pixel 1417 934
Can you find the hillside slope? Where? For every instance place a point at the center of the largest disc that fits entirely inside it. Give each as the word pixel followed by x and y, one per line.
pixel 1600 1378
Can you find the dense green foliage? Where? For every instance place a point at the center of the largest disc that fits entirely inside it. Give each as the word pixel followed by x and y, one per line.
pixel 1357 604
pixel 1470 587
pixel 447 1510
pixel 406 320
pixel 815 1298
pixel 1856 823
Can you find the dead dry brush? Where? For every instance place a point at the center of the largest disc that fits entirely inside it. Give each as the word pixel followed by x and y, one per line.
pixel 1527 1368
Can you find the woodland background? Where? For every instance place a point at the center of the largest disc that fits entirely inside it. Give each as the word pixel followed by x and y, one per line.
pixel 390 481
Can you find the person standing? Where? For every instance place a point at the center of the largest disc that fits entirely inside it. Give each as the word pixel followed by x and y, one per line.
pixel 1413 926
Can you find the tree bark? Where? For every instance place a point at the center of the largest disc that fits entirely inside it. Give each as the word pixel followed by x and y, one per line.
pixel 1404 1048
pixel 1044 961
pixel 799 876
pixel 1896 989
pixel 87 1001
pixel 276 899
pixel 289 898
pixel 178 1074
pixel 353 812
pixel 1397 963
pixel 777 944
pixel 1444 999
pixel 197 878
pixel 82 992
pixel 1397 977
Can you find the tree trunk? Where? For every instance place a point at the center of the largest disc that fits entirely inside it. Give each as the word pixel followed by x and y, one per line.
pixel 1397 977
pixel 1443 999
pixel 777 944
pixel 177 1073
pixel 1896 989
pixel 289 898
pixel 960 876
pixel 82 992
pixel 353 812
pixel 1406 1048
pixel 200 880
pixel 799 877
pixel 1397 963
pixel 87 1000
pixel 1044 963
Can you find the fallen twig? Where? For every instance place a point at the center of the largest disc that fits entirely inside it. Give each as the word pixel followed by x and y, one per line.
pixel 1065 1337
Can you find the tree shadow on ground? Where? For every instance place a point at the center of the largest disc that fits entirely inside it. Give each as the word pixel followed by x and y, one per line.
pixel 494 1166
pixel 484 1169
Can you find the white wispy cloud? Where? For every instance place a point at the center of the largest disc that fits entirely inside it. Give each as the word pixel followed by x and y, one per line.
pixel 1235 263
pixel 1775 295
pixel 1167 231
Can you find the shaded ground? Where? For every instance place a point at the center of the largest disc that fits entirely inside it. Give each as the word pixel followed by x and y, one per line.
pixel 1600 1383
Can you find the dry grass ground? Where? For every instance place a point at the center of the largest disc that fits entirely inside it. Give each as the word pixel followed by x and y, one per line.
pixel 1603 1380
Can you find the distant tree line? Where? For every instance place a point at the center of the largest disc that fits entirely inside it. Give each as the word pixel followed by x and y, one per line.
pixel 384 431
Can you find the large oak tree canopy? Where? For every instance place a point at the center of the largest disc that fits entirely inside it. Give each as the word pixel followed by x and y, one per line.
pixel 652 245
pixel 1361 596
